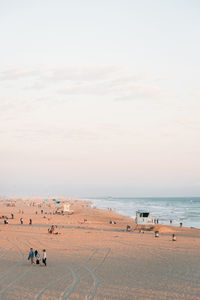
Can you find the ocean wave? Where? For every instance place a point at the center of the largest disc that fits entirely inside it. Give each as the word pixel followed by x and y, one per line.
pixel 166 209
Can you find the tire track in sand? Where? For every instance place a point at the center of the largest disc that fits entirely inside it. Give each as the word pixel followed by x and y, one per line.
pixel 4 252
pixel 76 280
pixel 92 272
pixel 15 264
pixel 96 280
pixel 4 290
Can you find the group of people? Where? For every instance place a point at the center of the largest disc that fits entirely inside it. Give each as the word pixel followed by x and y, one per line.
pixel 34 257
pixel 22 221
pixel 51 230
pixel 6 218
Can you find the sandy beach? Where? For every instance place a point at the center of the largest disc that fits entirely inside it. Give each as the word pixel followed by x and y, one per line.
pixel 93 259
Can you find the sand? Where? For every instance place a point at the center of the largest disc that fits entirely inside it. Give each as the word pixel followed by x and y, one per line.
pixel 95 259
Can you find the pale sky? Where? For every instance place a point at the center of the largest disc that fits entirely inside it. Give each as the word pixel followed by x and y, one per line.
pixel 100 98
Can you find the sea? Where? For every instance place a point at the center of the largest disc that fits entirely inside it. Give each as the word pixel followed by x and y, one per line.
pixel 179 210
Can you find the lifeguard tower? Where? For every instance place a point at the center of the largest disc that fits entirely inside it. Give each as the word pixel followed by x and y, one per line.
pixel 64 209
pixel 143 218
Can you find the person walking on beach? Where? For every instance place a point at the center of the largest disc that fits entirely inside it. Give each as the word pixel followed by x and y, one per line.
pixel 30 222
pixel 37 257
pixel 44 257
pixel 21 221
pixel 31 255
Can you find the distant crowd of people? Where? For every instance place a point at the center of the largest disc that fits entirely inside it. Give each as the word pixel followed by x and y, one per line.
pixel 34 257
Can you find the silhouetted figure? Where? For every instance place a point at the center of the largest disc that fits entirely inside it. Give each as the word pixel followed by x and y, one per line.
pixel 31 255
pixel 173 237
pixel 44 257
pixel 37 257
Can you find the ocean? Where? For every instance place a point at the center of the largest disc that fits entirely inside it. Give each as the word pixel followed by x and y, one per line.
pixel 185 210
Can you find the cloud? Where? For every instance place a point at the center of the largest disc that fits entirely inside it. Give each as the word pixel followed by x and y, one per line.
pixel 56 134
pixel 190 123
pixel 120 88
pixel 57 82
pixel 96 88
pixel 37 85
pixel 6 107
pixel 141 91
pixel 84 73
pixel 17 73
pixel 60 133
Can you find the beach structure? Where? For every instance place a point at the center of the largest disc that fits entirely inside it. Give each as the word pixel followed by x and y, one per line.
pixel 64 209
pixel 143 218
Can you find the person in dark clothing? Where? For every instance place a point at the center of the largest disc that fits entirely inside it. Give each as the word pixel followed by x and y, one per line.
pixel 37 257
pixel 44 257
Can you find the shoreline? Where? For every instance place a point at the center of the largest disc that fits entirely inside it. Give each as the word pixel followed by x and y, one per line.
pixel 116 207
pixel 108 213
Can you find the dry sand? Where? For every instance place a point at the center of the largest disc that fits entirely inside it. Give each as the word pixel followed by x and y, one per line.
pixel 95 260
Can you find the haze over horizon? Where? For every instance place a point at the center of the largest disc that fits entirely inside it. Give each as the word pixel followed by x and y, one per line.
pixel 100 98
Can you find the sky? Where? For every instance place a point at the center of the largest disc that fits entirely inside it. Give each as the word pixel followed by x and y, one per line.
pixel 100 98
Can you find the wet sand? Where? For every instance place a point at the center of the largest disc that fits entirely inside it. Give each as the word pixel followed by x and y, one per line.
pixel 95 259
